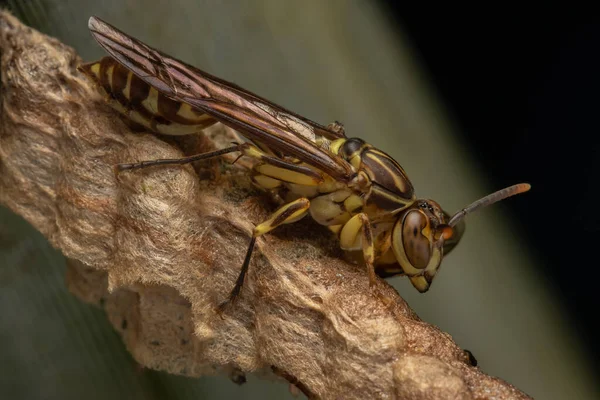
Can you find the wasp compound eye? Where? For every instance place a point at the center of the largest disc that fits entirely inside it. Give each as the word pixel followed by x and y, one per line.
pixel 416 246
pixel 409 243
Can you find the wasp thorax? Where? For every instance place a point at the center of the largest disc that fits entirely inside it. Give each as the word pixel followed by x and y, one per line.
pixel 391 190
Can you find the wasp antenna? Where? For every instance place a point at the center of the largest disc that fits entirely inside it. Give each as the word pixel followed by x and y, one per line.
pixel 489 200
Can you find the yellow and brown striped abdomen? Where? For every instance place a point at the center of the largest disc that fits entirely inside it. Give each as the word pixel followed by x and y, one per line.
pixel 143 104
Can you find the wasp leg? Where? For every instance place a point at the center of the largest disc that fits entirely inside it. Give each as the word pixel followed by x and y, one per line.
pixel 283 171
pixel 286 214
pixel 349 235
pixel 272 167
pixel 184 160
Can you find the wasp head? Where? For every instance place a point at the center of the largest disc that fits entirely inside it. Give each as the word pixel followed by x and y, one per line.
pixel 418 239
pixel 424 232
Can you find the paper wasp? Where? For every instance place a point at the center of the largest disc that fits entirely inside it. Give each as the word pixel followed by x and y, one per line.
pixel 359 192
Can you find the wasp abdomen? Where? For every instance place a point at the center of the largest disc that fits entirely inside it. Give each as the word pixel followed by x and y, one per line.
pixel 142 103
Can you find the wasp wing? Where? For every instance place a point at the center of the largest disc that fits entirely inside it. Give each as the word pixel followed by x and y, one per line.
pixel 254 117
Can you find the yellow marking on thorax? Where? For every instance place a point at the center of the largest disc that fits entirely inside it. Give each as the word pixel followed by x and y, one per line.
pixel 356 160
pixel 398 181
pixel 335 146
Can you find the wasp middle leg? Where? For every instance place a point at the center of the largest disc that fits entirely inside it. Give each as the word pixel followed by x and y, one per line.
pixel 286 214
pixel 270 173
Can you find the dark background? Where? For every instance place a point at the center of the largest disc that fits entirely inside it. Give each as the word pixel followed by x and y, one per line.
pixel 523 89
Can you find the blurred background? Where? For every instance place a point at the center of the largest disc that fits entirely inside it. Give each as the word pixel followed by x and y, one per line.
pixel 468 101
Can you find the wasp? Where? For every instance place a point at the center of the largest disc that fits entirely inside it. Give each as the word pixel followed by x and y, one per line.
pixel 356 190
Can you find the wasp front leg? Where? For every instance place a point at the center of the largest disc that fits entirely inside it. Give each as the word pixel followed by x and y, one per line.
pixel 286 214
pixel 358 230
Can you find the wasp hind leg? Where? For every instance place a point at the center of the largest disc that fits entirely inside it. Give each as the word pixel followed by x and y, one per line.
pixel 286 214
pixel 359 227
pixel 184 160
